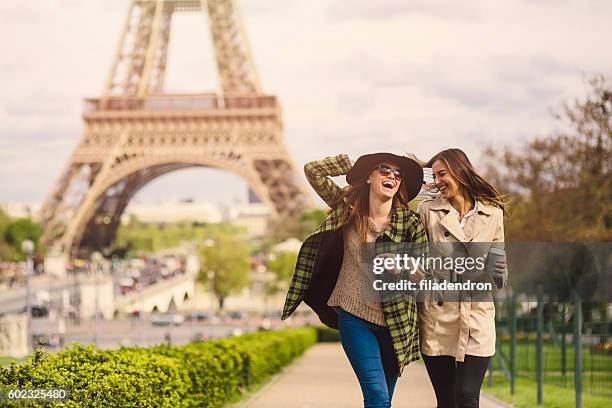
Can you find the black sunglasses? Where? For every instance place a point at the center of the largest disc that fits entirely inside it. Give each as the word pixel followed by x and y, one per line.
pixel 385 170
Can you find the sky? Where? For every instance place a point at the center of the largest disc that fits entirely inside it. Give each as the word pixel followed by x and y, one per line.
pixel 352 76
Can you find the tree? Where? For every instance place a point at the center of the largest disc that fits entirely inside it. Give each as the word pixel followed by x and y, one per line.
pixel 7 252
pixel 284 228
pixel 21 229
pixel 309 221
pixel 228 258
pixel 561 190
pixel 561 183
pixel 4 220
pixel 282 265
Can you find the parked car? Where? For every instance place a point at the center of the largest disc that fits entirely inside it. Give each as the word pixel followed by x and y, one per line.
pixel 199 316
pixel 236 315
pixel 47 340
pixel 37 311
pixel 40 339
pixel 273 315
pixel 199 336
pixel 166 319
pixel 126 285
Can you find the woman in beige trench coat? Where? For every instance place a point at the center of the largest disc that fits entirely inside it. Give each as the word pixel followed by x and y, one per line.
pixel 458 337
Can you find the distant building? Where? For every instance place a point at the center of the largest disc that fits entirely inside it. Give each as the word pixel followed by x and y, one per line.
pixel 20 210
pixel 253 198
pixel 186 210
pixel 253 217
pixel 289 245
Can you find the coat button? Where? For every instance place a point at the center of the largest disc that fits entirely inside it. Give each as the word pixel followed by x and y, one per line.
pixel 440 303
pixel 446 234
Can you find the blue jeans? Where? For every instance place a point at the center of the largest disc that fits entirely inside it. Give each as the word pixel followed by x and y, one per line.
pixel 369 349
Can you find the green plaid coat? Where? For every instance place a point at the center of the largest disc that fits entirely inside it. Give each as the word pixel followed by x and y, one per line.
pixel 320 259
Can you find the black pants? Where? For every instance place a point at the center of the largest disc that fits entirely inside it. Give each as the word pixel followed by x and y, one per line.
pixel 457 384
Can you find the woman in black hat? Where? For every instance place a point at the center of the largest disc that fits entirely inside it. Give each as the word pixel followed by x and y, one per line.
pixel 379 336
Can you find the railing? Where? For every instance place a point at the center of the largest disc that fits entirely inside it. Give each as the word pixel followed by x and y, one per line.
pixel 179 102
pixel 566 345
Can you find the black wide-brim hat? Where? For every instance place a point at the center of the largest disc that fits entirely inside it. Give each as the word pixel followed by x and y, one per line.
pixel 412 173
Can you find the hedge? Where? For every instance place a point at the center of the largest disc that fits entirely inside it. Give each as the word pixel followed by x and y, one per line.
pixel 327 335
pixel 200 374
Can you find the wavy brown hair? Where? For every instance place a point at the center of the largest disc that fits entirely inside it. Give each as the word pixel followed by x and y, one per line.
pixel 357 199
pixel 471 184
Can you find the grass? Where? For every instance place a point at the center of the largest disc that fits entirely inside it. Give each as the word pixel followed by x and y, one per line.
pixel 525 395
pixel 596 368
pixel 526 357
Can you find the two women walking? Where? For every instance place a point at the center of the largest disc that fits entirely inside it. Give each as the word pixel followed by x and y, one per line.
pixel 382 334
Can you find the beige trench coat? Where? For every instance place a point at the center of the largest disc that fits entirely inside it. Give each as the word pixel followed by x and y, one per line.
pixel 459 328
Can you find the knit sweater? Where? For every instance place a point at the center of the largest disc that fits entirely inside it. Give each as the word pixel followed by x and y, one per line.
pixel 353 291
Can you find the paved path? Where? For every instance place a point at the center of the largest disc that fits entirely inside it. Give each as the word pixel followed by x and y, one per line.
pixel 323 378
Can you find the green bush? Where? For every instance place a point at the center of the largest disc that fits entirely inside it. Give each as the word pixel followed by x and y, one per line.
pixel 327 334
pixel 202 374
pixel 269 351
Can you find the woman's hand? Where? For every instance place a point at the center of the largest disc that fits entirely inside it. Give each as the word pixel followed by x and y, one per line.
pixel 414 276
pixel 501 267
pixel 394 270
pixel 500 271
pixel 417 276
pixel 416 159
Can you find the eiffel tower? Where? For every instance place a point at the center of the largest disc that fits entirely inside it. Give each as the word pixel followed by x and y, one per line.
pixel 135 132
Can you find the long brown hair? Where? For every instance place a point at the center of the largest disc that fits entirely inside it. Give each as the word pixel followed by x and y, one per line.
pixel 357 199
pixel 470 182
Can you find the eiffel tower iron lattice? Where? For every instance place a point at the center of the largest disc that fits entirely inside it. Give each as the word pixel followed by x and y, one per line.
pixel 135 132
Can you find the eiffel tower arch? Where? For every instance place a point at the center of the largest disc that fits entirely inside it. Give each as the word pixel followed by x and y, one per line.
pixel 135 132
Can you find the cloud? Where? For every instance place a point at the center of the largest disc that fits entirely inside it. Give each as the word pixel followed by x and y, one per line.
pixel 40 103
pixel 8 67
pixel 18 11
pixel 33 110
pixel 355 102
pixel 260 7
pixel 532 68
pixel 30 162
pixel 113 6
pixel 352 76
pixel 388 9
pixel 507 83
pixel 545 2
pixel 69 3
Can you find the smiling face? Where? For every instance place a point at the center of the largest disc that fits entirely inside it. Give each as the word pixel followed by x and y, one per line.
pixel 444 181
pixel 382 185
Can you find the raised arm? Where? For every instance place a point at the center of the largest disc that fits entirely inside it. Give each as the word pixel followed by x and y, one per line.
pixel 318 174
